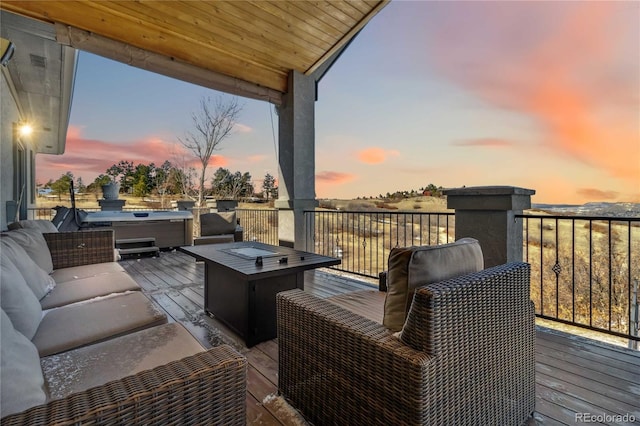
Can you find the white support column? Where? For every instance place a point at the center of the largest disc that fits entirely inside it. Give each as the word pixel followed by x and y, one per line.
pixel 296 145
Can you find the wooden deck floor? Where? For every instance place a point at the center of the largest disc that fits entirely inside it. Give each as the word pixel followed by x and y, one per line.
pixel 574 375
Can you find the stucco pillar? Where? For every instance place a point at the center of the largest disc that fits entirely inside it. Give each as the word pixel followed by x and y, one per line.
pixel 296 158
pixel 487 213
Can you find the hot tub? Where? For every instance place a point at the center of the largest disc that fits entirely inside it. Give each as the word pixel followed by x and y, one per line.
pixel 169 228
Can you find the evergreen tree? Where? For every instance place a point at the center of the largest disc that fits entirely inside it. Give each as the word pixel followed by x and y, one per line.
pixel 268 185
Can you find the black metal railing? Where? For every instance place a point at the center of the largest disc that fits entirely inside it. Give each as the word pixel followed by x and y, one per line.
pixel 585 270
pixel 259 225
pixel 363 239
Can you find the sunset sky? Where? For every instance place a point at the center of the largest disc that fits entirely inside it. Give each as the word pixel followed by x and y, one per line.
pixel 541 95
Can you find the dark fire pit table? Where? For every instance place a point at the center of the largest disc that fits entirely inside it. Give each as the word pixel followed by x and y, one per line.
pixel 242 279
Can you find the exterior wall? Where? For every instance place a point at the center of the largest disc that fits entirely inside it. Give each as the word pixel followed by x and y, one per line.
pixel 9 191
pixel 9 112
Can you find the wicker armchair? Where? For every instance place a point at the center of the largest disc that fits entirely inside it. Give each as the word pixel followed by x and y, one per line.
pixel 208 388
pixel 465 356
pixel 219 227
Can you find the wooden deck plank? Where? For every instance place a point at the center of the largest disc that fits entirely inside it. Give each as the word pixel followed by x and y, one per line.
pixel 264 364
pixel 573 374
pixel 141 278
pixel 547 362
pixel 585 356
pixel 150 268
pixel 257 414
pixel 551 408
pixel 258 385
pixel 609 400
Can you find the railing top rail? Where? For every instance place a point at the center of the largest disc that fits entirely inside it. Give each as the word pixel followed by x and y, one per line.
pixel 405 212
pixel 580 217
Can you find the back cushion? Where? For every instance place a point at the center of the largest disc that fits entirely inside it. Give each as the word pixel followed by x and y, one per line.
pixel 39 224
pixel 412 267
pixel 17 300
pixel 217 223
pixel 38 281
pixel 35 245
pixel 21 381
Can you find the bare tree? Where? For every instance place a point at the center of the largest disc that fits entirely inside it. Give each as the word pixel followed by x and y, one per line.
pixel 213 123
pixel 182 175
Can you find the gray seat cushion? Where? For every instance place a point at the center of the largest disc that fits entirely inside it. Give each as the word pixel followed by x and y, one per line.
pixel 80 324
pixel 94 365
pixel 81 289
pixel 85 271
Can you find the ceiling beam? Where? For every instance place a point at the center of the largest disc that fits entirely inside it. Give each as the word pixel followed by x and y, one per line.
pixel 150 61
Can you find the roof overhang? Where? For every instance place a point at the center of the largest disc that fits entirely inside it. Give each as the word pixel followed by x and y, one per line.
pixel 40 76
pixel 247 48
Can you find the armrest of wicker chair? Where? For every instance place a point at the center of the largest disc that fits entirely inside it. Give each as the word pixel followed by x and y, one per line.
pixel 77 248
pixel 206 388
pixel 338 367
pixel 465 355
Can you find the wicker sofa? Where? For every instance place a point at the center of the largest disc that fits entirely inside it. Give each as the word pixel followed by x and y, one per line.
pixel 153 374
pixel 465 355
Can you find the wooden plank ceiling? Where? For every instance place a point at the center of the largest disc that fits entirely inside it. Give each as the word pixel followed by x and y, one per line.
pixel 258 42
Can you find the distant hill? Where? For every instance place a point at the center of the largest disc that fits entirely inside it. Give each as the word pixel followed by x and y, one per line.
pixel 593 209
pixel 420 204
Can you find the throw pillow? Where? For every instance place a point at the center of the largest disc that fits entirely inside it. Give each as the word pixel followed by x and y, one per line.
pixel 37 279
pixel 395 301
pixel 17 300
pixel 35 245
pixel 21 380
pixel 413 267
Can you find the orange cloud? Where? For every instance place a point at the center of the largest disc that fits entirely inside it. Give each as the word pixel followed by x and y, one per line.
pixel 218 161
pixel 88 158
pixel 256 158
pixel 334 177
pixel 375 155
pixel 491 143
pixel 574 69
pixel 327 181
pixel 598 194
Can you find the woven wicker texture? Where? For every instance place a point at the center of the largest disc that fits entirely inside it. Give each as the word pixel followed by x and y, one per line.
pixel 205 389
pixel 466 356
pixel 80 248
